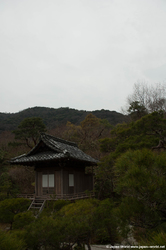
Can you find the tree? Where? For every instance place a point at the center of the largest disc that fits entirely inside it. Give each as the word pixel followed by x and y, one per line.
pixel 154 239
pixel 77 219
pixel 105 178
pixel 22 220
pixel 11 241
pixel 141 183
pixel 133 173
pixel 29 131
pixel 88 133
pixel 22 178
pixel 151 97
pixel 10 207
pixel 7 189
pixel 62 229
pixel 136 110
pixel 148 132
pixel 69 224
pixel 106 223
pixel 88 221
pixel 45 233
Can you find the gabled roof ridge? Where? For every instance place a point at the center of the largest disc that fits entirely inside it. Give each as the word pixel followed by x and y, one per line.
pixel 47 142
pixel 56 149
pixel 57 139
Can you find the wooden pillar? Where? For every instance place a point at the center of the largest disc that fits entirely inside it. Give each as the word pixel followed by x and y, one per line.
pixel 74 181
pixel 92 179
pixel 61 180
pixel 36 183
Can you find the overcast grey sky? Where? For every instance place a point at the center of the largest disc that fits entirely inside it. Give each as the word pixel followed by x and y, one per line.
pixel 82 54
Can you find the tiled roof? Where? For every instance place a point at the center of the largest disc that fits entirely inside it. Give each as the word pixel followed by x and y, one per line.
pixel 57 149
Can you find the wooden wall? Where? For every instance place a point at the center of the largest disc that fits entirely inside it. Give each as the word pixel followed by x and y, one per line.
pixel 82 181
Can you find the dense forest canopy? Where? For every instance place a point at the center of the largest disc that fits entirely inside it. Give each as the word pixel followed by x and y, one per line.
pixel 55 117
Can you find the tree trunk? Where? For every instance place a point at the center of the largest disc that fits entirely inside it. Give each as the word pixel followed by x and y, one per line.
pixel 88 245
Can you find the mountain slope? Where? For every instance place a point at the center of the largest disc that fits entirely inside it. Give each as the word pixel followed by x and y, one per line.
pixel 55 117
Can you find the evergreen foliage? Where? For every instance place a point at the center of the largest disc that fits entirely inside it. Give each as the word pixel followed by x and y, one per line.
pixel 10 207
pixel 11 241
pixel 142 184
pixel 130 184
pixel 133 174
pixel 56 117
pixel 75 224
pixel 29 131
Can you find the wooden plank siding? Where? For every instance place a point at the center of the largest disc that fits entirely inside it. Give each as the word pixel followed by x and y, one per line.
pixel 39 183
pixel 82 181
pixel 59 166
pixel 58 182
pixel 65 182
pixel 79 182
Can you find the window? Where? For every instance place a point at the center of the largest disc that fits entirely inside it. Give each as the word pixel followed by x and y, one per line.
pixel 71 180
pixel 48 180
pixel 44 180
pixel 51 180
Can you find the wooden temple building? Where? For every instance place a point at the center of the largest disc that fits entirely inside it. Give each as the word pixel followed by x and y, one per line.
pixel 59 168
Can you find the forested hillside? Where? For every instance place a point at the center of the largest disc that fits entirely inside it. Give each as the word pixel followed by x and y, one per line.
pixel 129 183
pixel 130 186
pixel 54 117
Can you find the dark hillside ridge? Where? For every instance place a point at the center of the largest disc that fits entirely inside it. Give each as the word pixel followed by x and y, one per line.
pixel 55 117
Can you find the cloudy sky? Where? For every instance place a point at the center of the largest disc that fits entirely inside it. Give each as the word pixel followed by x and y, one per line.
pixel 82 54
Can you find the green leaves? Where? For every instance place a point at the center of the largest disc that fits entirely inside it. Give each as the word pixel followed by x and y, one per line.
pixel 76 223
pixel 136 110
pixel 78 220
pixel 11 241
pixel 141 178
pixel 44 232
pixel 144 133
pixel 106 222
pixel 134 172
pixel 10 207
pixel 29 130
pixel 21 220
